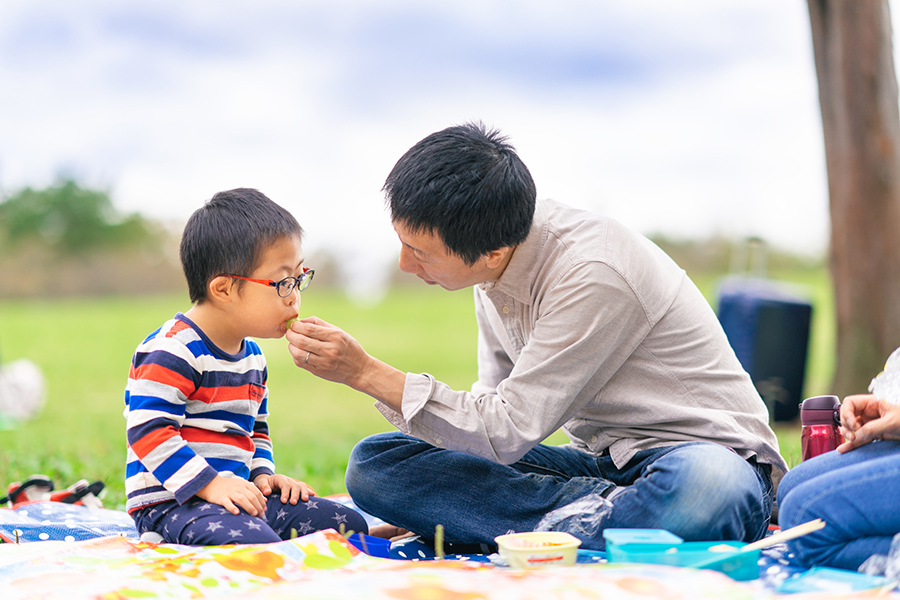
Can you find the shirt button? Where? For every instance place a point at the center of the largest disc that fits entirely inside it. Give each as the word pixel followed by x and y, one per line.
pixel 505 310
pixel 593 439
pixel 437 441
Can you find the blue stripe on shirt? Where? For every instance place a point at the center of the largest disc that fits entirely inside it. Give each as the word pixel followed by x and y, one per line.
pixel 235 466
pixel 173 463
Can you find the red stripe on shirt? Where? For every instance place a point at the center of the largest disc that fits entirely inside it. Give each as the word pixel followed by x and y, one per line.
pixel 260 436
pixel 251 392
pixel 204 436
pixel 161 374
pixel 149 442
pixel 177 328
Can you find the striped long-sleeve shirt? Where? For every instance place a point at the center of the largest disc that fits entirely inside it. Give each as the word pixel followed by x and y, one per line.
pixel 193 411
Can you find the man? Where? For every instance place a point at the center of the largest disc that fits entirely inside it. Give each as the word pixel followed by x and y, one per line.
pixel 582 324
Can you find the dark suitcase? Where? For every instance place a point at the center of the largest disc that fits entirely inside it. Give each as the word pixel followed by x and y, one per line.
pixel 768 328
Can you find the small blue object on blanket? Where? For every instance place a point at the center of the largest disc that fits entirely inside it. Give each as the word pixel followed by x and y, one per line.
pixel 373 546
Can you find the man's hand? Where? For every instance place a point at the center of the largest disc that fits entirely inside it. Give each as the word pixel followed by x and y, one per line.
pixel 329 352
pixel 291 489
pixel 233 492
pixel 326 351
pixel 864 418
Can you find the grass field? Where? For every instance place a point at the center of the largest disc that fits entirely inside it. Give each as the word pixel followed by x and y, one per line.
pixel 84 347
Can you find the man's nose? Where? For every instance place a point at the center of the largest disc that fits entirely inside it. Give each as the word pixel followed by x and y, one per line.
pixel 407 262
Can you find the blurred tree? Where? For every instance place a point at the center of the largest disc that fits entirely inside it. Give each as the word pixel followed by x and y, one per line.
pixel 70 219
pixel 861 126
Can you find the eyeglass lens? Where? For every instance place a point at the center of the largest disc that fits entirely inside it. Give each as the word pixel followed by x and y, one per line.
pixel 286 286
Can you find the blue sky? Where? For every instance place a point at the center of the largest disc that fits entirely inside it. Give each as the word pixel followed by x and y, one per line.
pixel 689 118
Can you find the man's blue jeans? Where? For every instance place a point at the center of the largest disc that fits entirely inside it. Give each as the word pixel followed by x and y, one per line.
pixel 697 490
pixel 854 493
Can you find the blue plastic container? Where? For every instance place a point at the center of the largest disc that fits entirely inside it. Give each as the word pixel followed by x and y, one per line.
pixel 661 547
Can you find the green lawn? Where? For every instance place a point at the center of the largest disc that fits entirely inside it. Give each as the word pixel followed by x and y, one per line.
pixel 84 347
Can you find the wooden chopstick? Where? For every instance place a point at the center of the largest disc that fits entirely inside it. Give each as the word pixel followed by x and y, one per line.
pixel 787 534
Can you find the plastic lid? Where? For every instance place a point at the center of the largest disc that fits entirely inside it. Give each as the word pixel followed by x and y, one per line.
pixel 820 410
pixel 821 403
pixel 640 536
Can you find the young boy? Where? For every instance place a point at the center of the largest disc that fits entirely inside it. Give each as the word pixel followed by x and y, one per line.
pixel 200 467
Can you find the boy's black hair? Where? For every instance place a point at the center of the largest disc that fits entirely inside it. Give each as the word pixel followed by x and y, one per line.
pixel 228 235
pixel 468 185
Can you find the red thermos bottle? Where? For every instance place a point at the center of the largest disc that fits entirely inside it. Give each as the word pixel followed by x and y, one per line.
pixel 820 417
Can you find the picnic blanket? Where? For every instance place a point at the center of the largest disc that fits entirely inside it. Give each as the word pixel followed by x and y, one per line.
pixel 46 521
pixel 325 565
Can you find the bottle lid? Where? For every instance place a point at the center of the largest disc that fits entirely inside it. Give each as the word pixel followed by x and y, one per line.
pixel 820 410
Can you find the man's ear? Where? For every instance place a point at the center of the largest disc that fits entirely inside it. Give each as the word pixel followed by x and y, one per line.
pixel 496 257
pixel 221 289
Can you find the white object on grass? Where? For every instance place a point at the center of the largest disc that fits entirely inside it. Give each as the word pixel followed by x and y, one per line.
pixel 22 390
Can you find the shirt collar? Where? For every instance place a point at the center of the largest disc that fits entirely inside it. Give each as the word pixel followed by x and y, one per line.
pixel 518 278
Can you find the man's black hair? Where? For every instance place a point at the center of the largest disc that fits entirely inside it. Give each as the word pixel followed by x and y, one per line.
pixel 467 185
pixel 228 235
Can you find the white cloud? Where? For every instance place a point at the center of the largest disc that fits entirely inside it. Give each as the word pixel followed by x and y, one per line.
pixel 687 118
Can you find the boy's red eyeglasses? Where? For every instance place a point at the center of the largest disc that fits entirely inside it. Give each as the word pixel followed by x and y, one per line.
pixel 286 286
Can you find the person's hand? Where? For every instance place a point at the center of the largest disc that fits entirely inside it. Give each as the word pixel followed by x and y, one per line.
pixel 291 489
pixel 329 352
pixel 233 492
pixel 865 418
pixel 326 351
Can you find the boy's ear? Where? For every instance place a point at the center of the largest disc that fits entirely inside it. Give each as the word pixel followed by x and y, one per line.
pixel 221 288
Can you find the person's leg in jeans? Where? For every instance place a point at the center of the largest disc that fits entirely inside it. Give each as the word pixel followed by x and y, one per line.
pixel 696 490
pixel 854 493
pixel 416 486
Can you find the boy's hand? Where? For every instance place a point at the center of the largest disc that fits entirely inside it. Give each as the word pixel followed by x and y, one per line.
pixel 232 492
pixel 291 489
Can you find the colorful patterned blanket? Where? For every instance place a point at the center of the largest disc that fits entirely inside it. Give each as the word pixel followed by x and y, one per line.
pixel 325 566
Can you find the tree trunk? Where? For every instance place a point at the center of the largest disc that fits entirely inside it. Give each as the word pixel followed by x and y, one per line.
pixel 861 125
